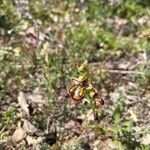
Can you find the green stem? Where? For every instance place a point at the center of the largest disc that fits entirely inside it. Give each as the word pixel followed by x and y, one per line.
pixel 95 113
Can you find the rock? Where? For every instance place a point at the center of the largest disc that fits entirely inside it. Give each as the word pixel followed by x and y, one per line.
pixel 29 127
pixel 33 141
pixel 19 135
pixel 146 140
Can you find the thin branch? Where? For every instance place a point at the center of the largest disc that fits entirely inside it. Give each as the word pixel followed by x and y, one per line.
pixel 105 68
pixel 122 71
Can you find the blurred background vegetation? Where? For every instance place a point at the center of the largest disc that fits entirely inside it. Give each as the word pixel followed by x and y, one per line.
pixel 41 44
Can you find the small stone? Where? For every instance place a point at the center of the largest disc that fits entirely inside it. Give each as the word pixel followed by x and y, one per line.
pixel 77 23
pixel 33 141
pixel 146 139
pixel 82 1
pixel 76 9
pixel 41 36
pixel 55 19
pixel 19 135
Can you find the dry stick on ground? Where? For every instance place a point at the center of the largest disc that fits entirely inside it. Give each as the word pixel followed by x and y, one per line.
pixel 117 71
pixel 122 71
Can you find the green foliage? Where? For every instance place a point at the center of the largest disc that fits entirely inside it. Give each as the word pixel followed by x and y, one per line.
pixel 88 37
pixel 107 38
pixel 1 84
pixel 127 9
pixel 124 134
pixel 9 116
pixel 122 131
pixel 98 10
pixel 44 146
pixel 80 47
pixel 8 16
pixel 130 10
pixel 54 73
pixel 41 10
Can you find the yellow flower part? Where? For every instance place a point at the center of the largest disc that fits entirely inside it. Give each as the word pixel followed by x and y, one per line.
pixel 80 79
pixel 81 68
pixel 17 51
pixel 92 93
pixel 72 89
pixel 76 92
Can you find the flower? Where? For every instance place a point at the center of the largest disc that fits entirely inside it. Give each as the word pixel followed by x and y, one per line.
pixel 31 40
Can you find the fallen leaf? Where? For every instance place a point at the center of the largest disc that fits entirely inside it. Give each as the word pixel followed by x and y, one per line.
pixel 33 141
pixel 19 135
pixel 29 127
pixel 22 101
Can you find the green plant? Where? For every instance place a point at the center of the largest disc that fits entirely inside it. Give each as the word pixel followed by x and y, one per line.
pixel 130 10
pixel 9 115
pixel 7 119
pixel 98 10
pixel 80 47
pixel 8 17
pixel 1 84
pixel 44 146
pixel 83 88
pixel 123 129
pixel 40 10
pixel 72 145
